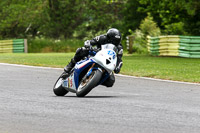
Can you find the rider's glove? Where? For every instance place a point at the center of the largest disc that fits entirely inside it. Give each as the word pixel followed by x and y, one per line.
pixel 117 69
pixel 87 44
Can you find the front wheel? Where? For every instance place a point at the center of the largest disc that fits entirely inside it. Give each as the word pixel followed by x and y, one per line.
pixel 58 89
pixel 87 84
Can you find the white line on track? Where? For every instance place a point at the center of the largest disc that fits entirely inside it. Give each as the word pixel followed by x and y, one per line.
pixel 171 81
pixel 120 75
pixel 30 66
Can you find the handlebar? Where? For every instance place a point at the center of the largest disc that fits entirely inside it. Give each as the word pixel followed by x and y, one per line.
pixel 93 51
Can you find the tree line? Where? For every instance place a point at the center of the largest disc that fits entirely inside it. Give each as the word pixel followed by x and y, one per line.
pixel 64 19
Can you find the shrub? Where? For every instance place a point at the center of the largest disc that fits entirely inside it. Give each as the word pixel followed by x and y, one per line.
pixel 43 45
pixel 147 27
pixel 175 28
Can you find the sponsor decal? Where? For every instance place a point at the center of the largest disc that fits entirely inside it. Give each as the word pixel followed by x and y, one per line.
pixel 71 83
pixel 111 53
pixel 66 83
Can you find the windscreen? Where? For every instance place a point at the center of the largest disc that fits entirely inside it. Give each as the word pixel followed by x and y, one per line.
pixel 109 46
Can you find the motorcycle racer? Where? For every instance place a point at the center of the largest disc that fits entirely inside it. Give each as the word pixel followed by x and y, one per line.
pixel 113 36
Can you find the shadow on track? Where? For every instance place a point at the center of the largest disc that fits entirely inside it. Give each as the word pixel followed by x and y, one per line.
pixel 100 97
pixel 87 96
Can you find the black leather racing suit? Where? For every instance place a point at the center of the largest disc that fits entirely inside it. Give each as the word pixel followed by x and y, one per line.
pixel 98 41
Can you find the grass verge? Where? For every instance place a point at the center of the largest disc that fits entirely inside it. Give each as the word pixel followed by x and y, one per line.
pixel 171 68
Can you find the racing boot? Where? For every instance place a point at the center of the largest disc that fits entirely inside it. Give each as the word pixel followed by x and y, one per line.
pixel 68 68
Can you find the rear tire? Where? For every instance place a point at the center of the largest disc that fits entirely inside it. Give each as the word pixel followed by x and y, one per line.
pixel 86 86
pixel 58 89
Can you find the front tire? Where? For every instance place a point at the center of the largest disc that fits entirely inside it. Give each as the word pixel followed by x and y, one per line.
pixel 58 89
pixel 86 85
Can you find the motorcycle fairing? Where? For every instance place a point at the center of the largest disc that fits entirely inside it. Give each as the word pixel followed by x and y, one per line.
pixel 79 67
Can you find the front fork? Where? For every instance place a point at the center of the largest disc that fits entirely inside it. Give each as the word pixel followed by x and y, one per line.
pixel 106 74
pixel 90 70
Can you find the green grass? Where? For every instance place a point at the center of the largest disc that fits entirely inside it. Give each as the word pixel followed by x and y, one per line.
pixel 38 59
pixel 172 68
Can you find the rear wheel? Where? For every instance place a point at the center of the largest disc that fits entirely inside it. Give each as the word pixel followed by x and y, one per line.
pixel 88 83
pixel 58 89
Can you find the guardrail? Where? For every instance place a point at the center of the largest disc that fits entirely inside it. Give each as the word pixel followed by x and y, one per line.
pixel 182 46
pixel 14 46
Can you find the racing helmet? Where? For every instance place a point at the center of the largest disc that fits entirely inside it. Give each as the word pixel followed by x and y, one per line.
pixel 114 36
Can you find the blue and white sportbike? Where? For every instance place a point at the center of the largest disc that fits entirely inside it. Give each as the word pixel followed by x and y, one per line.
pixel 88 73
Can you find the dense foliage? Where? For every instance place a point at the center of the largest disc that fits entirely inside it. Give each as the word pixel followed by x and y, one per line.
pixel 64 19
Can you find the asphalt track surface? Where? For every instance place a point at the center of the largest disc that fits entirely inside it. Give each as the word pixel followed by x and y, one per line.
pixel 132 105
